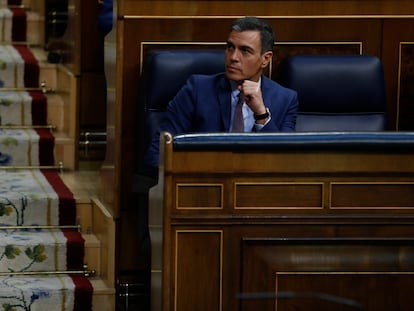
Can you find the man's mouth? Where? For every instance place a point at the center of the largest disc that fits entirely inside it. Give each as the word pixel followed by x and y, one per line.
pixel 232 68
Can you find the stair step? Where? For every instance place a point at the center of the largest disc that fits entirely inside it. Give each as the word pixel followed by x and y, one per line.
pixel 92 253
pixel 47 70
pixel 41 292
pixel 38 250
pixel 103 298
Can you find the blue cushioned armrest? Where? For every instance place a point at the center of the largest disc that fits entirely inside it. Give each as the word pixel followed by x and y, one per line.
pixel 391 141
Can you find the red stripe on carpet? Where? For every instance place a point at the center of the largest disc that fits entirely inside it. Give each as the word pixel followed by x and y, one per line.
pixel 31 66
pixel 75 252
pixel 83 293
pixel 39 108
pixel 19 25
pixel 46 147
pixel 67 204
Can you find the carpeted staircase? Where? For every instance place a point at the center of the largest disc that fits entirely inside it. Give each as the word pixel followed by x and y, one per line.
pixel 42 243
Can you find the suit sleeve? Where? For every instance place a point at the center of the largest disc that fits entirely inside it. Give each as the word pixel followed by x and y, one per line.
pixel 283 108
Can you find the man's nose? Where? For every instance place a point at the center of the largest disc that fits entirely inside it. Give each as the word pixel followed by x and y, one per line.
pixel 235 54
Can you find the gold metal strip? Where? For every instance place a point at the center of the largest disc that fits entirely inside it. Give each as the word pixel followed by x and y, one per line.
pixel 217 231
pixel 276 183
pixel 59 167
pixel 198 208
pixel 344 273
pixel 269 17
pixel 216 43
pixel 397 124
pixel 77 227
pixel 20 6
pixel 28 127
pixel 71 272
pixel 192 43
pixel 6 42
pixel 356 183
pixel 42 89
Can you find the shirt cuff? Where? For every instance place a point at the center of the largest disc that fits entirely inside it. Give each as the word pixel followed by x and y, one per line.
pixel 259 127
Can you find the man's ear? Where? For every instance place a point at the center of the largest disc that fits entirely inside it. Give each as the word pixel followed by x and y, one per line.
pixel 267 57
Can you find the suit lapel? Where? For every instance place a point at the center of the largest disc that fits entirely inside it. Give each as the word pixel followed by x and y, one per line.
pixel 264 86
pixel 224 98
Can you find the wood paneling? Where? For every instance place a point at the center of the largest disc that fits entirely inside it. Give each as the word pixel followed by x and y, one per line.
pixel 347 269
pixel 265 7
pixel 203 262
pixel 284 195
pixel 307 229
pixel 326 26
pixel 199 196
pixel 372 195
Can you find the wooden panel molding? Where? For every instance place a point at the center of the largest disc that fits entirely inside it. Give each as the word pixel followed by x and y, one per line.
pixel 342 268
pixel 199 196
pixel 192 264
pixel 358 195
pixel 264 7
pixel 406 87
pixel 343 222
pixel 282 195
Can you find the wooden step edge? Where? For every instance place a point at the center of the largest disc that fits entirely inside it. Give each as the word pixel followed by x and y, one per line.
pixel 83 185
pixel 100 286
pixel 93 254
pixel 41 56
pixel 104 297
pixel 91 240
pixel 103 226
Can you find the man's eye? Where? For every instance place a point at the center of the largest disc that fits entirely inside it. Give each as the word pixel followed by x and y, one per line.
pixel 245 50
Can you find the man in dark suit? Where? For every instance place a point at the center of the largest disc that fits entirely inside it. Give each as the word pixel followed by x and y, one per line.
pixel 210 103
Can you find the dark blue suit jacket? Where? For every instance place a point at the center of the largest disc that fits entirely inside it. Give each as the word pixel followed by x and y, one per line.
pixel 204 105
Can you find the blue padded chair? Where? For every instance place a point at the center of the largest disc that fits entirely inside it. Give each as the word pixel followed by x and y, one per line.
pixel 164 72
pixel 337 92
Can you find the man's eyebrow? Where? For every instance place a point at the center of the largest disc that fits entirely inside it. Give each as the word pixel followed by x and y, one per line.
pixel 246 48
pixel 241 47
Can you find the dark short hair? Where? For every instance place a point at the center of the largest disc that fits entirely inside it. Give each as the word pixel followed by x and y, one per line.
pixel 253 23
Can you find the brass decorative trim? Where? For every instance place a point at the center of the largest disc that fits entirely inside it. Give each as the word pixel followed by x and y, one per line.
pixel 77 227
pixel 321 184
pixel 215 43
pixel 20 6
pixel 268 17
pixel 196 208
pixel 344 272
pixel 86 272
pixel 221 233
pixel 397 125
pixel 28 127
pixel 194 43
pixel 59 167
pixel 332 273
pixel 387 183
pixel 322 43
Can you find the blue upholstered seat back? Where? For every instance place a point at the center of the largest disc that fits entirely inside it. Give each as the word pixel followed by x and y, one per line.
pixel 165 72
pixel 337 92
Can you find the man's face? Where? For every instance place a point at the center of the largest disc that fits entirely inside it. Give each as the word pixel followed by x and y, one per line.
pixel 244 60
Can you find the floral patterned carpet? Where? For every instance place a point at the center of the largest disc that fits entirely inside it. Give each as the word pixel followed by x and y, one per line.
pixel 41 248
